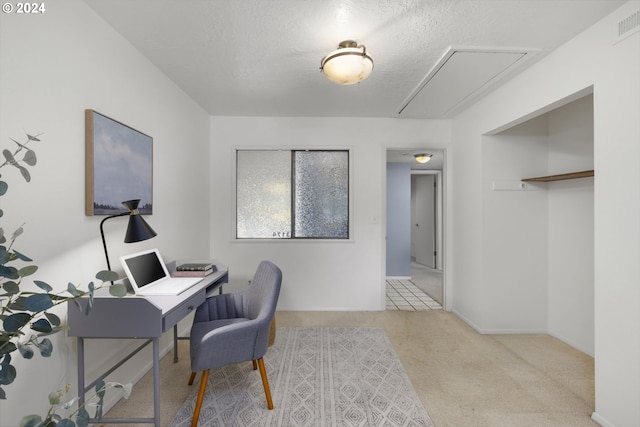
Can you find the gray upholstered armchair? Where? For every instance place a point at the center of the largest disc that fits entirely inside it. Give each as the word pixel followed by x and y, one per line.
pixel 234 328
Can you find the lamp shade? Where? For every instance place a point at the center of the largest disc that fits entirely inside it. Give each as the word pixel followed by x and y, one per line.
pixel 138 229
pixel 422 158
pixel 349 64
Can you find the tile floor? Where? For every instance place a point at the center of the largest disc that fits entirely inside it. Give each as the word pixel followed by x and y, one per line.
pixel 403 295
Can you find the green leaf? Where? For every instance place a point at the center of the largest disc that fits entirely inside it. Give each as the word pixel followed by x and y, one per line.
pixel 54 398
pixel 52 420
pixel 46 347
pixel 8 374
pixel 53 319
pixel 25 172
pixel 82 419
pixel 90 302
pixel 38 302
pixel 77 304
pixel 100 388
pixel 118 290
pixel 8 347
pixel 22 257
pixel 25 351
pixel 73 290
pixel 3 394
pixel 42 285
pixel 9 272
pixel 15 322
pixel 89 306
pixel 30 158
pixel 18 304
pixel 17 233
pixel 107 276
pixel 3 188
pixel 66 423
pixel 9 157
pixel 19 144
pixel 28 271
pixel 11 287
pixel 42 325
pixel 31 421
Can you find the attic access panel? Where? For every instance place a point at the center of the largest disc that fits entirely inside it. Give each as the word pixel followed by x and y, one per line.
pixel 460 76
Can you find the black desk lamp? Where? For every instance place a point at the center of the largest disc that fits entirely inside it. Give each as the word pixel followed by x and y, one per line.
pixel 137 230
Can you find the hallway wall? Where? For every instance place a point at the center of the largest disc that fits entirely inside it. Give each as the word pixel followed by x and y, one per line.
pixel 398 233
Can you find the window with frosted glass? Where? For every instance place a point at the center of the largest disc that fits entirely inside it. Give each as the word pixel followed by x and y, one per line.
pixel 321 194
pixel 263 194
pixel 291 194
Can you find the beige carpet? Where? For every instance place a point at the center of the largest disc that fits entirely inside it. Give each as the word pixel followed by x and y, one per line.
pixel 463 379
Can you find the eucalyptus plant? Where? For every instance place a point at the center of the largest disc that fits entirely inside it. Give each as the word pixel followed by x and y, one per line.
pixel 26 316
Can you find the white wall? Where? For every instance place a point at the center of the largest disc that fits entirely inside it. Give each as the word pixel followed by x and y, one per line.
pixel 571 227
pixel 318 275
pixel 52 67
pixel 590 59
pixel 513 281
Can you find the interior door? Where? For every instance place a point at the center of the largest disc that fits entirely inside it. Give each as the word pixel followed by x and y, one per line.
pixel 423 219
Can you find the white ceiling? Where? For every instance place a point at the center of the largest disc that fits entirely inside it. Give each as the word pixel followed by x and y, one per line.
pixel 262 58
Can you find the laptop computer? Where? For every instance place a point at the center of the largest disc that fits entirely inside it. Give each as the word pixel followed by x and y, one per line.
pixel 148 275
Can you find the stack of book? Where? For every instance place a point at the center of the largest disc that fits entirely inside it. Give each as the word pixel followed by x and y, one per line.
pixel 194 269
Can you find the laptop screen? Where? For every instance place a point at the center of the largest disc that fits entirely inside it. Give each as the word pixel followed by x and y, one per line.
pixel 145 268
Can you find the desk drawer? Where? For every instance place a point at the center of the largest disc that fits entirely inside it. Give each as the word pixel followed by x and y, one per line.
pixel 181 311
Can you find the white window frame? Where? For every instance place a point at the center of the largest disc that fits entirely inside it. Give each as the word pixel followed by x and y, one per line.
pixel 234 184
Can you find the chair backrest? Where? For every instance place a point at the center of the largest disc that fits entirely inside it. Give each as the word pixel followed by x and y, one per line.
pixel 261 297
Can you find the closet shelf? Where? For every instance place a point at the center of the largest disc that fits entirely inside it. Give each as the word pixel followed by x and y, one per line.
pixel 572 175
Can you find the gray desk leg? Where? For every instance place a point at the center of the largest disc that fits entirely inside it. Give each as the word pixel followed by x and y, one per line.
pixel 175 343
pixel 156 381
pixel 80 372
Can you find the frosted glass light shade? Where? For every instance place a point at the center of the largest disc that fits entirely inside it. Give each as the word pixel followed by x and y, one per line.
pixel 422 158
pixel 347 65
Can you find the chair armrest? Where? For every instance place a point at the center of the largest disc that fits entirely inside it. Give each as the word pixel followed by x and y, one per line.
pixel 232 343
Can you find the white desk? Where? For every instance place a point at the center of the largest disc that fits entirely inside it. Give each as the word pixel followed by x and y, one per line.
pixel 139 318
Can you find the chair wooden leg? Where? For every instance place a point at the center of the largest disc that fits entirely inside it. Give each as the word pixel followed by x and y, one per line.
pixel 203 387
pixel 192 377
pixel 265 383
pixel 255 365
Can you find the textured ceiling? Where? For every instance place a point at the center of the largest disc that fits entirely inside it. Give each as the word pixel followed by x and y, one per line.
pixel 261 58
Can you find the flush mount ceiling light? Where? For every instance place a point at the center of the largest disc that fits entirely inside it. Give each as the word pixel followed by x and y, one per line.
pixel 422 158
pixel 348 64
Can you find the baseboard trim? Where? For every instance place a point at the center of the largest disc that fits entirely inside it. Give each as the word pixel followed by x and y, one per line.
pixel 484 331
pixel 600 420
pixel 398 278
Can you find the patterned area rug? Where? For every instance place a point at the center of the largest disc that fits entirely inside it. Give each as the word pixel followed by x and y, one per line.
pixel 318 377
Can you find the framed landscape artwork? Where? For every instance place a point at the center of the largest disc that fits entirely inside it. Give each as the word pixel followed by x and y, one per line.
pixel 119 166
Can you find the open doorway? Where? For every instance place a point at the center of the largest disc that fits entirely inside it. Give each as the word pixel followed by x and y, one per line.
pixel 414 226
